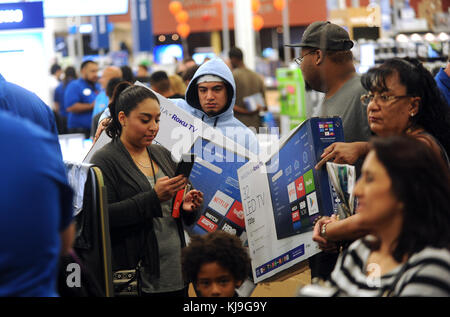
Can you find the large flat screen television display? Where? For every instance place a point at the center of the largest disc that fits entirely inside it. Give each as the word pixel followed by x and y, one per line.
pixel 165 54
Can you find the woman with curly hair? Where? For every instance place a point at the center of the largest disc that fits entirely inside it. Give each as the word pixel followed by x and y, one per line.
pixel 216 264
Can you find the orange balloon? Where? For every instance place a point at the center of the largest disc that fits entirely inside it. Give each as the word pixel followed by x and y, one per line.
pixel 182 17
pixel 279 4
pixel 258 22
pixel 255 5
pixel 175 7
pixel 183 29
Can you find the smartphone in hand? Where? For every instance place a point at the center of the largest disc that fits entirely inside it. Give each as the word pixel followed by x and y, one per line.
pixel 185 165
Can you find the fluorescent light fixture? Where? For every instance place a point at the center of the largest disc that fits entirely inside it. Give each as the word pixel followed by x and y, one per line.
pixel 402 38
pixel 416 37
pixel 443 37
pixel 430 37
pixel 69 8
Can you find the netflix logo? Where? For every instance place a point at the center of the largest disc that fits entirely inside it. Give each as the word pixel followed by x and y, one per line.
pixel 221 202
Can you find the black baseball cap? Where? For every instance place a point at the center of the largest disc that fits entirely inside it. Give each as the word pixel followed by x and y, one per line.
pixel 325 35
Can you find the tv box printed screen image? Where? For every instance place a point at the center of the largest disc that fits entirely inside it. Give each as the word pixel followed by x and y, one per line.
pixel 299 193
pixel 214 173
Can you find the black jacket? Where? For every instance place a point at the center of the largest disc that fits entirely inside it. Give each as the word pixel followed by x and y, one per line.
pixel 132 204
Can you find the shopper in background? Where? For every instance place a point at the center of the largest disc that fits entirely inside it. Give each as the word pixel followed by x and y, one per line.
pixel 327 66
pixel 403 100
pixel 211 96
pixel 248 83
pixel 35 208
pixel 142 71
pixel 69 74
pixel 55 79
pixel 102 100
pixel 127 74
pixel 189 73
pixel 177 84
pixel 112 83
pixel 187 63
pixel 443 81
pixel 403 199
pixel 216 264
pixel 79 98
pixel 159 82
pixel 141 182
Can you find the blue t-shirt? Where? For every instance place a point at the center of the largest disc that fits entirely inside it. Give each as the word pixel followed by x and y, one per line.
pixel 59 97
pixel 25 104
pixel 79 90
pixel 101 102
pixel 443 83
pixel 35 206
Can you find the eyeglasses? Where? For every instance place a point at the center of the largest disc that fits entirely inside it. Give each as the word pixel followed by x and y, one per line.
pixel 381 100
pixel 299 60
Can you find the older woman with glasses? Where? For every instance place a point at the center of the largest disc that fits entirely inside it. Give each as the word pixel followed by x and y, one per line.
pixel 402 99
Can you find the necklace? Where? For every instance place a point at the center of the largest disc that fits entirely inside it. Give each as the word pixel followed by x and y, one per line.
pixel 148 166
pixel 144 166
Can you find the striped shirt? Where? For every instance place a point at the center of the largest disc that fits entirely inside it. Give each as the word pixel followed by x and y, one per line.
pixel 426 273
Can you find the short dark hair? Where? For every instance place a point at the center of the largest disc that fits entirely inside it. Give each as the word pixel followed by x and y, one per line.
pixel 127 73
pixel 236 52
pixel 69 74
pixel 112 83
pixel 340 57
pixel 126 97
pixel 190 72
pixel 421 181
pixel 54 69
pixel 160 81
pixel 86 62
pixel 218 246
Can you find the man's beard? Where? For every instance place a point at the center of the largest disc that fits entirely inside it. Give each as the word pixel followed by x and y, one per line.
pixel 212 113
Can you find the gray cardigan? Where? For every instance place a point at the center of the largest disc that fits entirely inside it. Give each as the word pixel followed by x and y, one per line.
pixel 132 204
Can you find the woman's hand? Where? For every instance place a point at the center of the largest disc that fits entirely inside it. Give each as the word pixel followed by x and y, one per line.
pixel 324 243
pixel 344 153
pixel 101 126
pixel 193 200
pixel 166 187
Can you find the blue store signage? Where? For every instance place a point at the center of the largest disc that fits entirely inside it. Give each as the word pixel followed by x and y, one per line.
pixel 141 19
pixel 100 32
pixel 22 15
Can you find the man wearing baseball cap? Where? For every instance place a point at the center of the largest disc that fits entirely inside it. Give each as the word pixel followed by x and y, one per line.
pixel 327 66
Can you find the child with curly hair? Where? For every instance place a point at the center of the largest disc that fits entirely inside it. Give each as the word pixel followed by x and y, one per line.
pixel 216 264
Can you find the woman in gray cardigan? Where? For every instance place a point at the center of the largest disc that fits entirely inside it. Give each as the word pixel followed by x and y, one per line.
pixel 140 181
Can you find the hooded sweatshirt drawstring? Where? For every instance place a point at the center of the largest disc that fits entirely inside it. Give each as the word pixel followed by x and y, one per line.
pixel 215 121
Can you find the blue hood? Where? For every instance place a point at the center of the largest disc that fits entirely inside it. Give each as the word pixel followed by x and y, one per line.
pixel 215 67
pixel 224 121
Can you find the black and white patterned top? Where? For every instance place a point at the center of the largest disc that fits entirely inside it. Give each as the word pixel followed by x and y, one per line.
pixel 426 273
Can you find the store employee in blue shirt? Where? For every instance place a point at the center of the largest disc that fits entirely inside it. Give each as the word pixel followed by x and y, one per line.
pixel 79 98
pixel 443 81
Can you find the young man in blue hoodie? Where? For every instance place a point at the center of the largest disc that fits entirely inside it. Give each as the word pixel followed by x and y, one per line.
pixel 210 96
